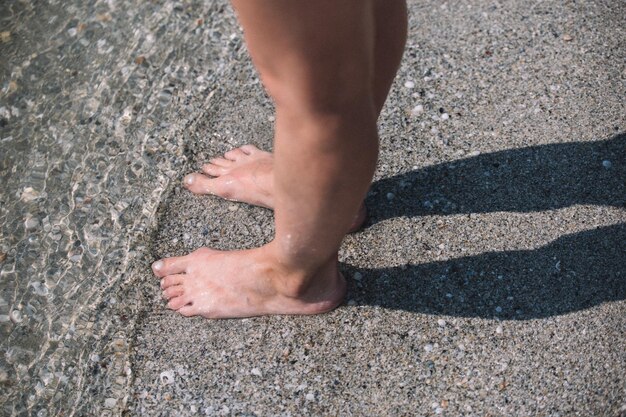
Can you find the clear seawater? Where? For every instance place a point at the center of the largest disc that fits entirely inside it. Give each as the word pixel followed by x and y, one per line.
pixel 95 100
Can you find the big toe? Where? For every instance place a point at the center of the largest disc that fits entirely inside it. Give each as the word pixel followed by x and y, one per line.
pixel 198 183
pixel 224 186
pixel 169 266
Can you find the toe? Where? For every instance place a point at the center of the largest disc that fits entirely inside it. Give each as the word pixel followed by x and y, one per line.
pixel 235 154
pixel 188 311
pixel 171 280
pixel 190 180
pixel 198 184
pixel 223 186
pixel 169 266
pixel 177 302
pixel 249 149
pixel 222 162
pixel 173 291
pixel 214 170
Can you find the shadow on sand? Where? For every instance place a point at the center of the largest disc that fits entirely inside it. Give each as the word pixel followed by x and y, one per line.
pixel 572 273
pixel 529 179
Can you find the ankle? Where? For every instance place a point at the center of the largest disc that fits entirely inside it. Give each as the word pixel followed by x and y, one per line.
pixel 301 278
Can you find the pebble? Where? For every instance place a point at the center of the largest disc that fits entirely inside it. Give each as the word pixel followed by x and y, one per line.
pixel 409 84
pixel 498 309
pixel 110 402
pixel 310 396
pixel 31 223
pixel 358 276
pixel 390 196
pixel 607 164
pixel 428 347
pixel 417 110
pixel 39 288
pixel 119 345
pixel 441 323
pixel 499 330
pixel 29 194
pixel 256 372
pixel 445 116
pixel 474 153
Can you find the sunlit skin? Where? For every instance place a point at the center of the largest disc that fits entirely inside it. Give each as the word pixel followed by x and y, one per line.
pixel 246 175
pixel 328 66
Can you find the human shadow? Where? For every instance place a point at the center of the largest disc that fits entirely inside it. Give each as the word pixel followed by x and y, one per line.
pixel 529 179
pixel 572 273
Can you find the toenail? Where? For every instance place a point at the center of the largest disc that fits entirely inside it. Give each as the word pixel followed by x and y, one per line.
pixel 162 282
pixel 157 265
pixel 189 179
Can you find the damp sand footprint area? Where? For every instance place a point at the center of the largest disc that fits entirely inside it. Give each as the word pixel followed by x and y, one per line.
pixel 489 278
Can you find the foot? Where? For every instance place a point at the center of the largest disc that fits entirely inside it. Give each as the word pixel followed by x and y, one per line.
pixel 245 174
pixel 217 284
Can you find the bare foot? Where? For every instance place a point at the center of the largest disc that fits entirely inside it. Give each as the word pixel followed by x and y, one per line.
pixel 245 175
pixel 217 284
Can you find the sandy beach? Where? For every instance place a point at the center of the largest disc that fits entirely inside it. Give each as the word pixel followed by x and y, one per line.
pixel 490 276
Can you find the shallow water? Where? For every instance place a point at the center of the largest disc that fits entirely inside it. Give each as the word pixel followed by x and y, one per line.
pixel 95 99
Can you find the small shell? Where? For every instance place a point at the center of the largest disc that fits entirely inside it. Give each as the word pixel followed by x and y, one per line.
pixel 16 316
pixel 167 377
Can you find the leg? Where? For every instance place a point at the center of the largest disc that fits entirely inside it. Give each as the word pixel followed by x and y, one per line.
pixel 246 174
pixel 318 68
pixel 391 33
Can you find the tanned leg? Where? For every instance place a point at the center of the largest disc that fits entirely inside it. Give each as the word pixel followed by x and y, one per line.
pixel 316 60
pixel 246 174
